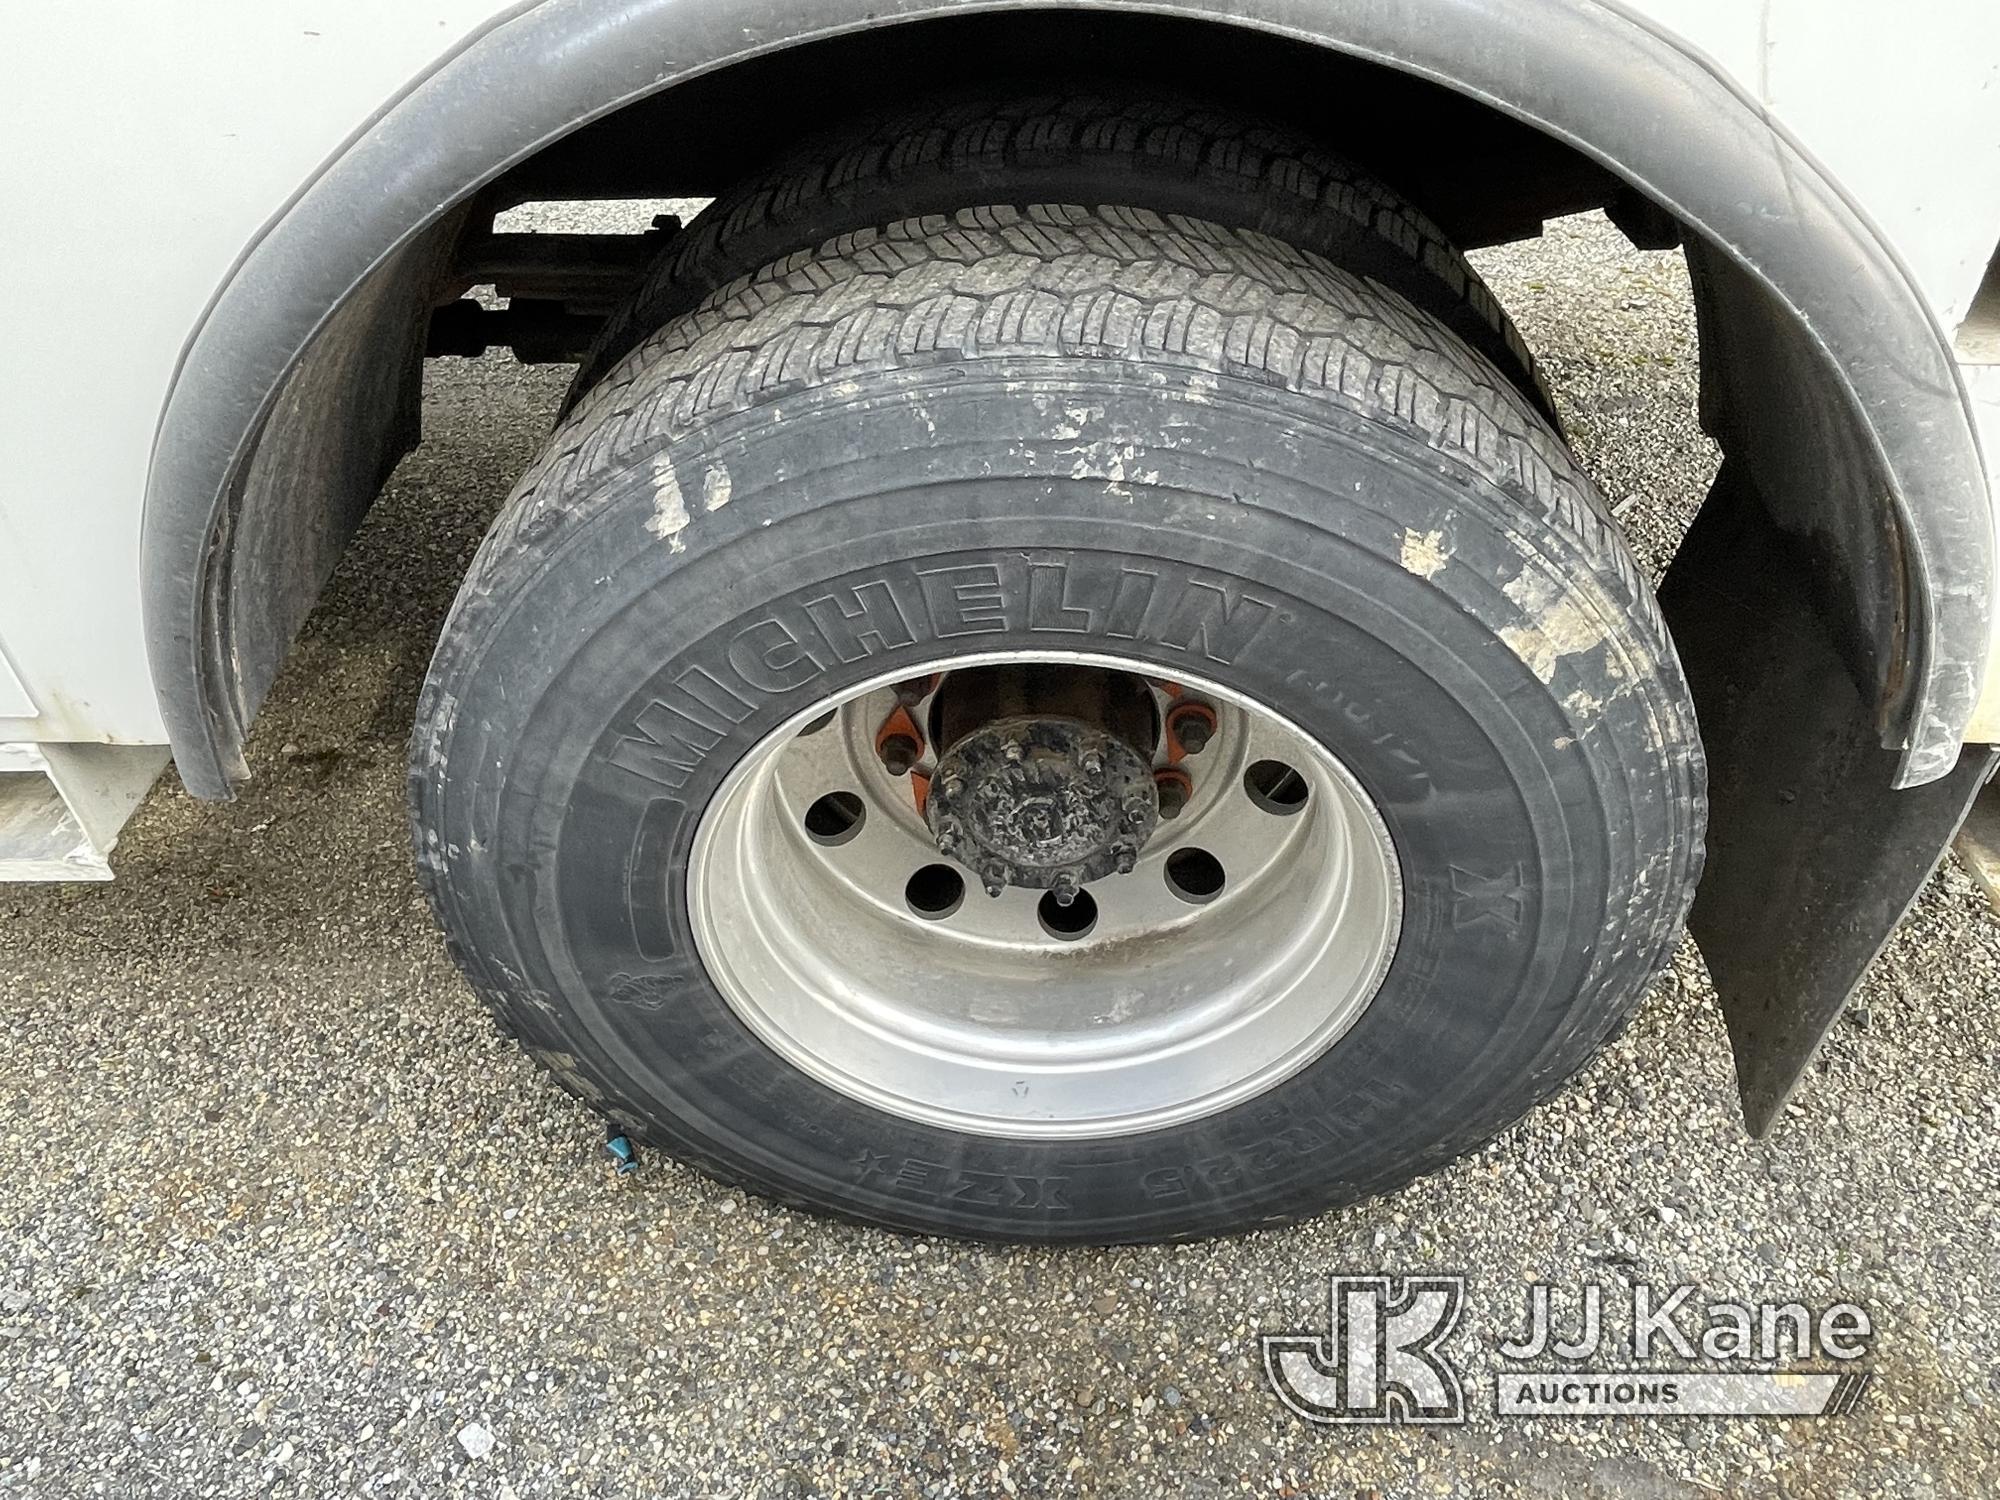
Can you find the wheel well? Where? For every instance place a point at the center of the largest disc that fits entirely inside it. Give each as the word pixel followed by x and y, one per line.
pixel 1483 176
pixel 235 548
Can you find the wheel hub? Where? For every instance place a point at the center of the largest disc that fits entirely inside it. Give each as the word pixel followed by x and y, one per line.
pixel 1042 803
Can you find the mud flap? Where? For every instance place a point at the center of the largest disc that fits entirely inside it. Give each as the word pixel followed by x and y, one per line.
pixel 1812 858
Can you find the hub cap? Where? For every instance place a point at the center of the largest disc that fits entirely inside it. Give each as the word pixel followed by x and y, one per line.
pixel 1048 804
pixel 1132 971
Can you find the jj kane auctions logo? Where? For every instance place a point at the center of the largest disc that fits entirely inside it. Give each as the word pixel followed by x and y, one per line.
pixel 1381 1357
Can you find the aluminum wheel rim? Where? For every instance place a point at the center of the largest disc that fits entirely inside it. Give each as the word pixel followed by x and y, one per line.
pixel 1173 1006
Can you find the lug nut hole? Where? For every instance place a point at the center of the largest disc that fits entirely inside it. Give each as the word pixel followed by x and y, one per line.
pixel 1276 787
pixel 1194 875
pixel 1067 922
pixel 835 818
pixel 935 892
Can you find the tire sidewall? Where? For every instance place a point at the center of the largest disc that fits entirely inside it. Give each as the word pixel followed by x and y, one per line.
pixel 926 511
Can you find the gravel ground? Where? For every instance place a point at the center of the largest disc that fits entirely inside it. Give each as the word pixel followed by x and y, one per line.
pixel 280 1212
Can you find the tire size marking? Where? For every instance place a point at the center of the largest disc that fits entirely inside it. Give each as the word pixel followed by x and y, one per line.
pixel 1292 1138
pixel 914 1177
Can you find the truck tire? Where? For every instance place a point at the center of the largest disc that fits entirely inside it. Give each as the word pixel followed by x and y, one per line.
pixel 1250 635
pixel 1089 144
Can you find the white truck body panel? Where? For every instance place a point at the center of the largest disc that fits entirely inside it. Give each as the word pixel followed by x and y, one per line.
pixel 150 143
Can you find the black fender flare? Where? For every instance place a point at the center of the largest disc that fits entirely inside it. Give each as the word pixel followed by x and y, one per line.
pixel 1586 72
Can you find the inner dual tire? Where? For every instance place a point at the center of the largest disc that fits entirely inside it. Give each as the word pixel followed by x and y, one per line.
pixel 1083 439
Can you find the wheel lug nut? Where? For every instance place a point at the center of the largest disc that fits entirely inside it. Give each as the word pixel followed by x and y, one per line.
pixel 899 753
pixel 1193 725
pixel 1126 853
pixel 994 878
pixel 1175 789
